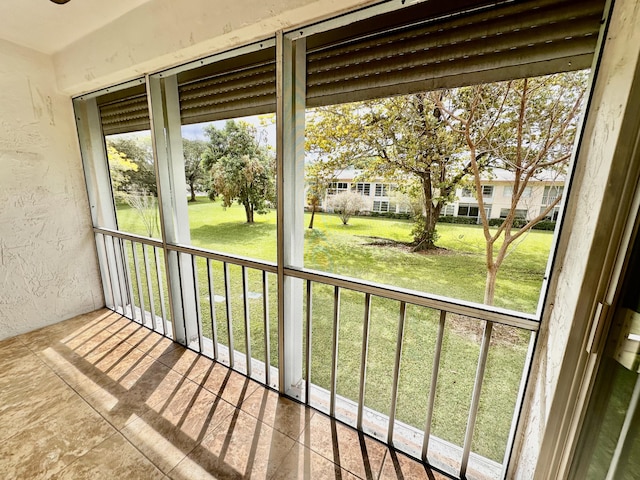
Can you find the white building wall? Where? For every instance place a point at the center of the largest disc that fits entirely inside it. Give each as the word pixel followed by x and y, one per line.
pixel 500 199
pixel 48 268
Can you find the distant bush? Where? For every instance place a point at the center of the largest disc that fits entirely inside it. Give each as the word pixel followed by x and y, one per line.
pixel 459 220
pixel 545 225
pixel 400 216
pixel 520 222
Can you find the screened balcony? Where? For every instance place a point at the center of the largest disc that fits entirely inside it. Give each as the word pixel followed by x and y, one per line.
pixel 422 366
pixel 231 364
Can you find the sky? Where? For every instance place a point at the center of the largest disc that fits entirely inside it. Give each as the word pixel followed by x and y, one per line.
pixel 196 130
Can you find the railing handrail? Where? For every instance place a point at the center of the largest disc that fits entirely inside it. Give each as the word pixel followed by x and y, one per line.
pixel 263 265
pixel 128 236
pixel 460 307
pixel 201 252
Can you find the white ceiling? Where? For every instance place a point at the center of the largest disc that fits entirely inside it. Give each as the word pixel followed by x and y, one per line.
pixel 44 26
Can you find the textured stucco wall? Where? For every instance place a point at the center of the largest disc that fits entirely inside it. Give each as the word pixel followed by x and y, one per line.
pixel 582 253
pixel 163 33
pixel 48 269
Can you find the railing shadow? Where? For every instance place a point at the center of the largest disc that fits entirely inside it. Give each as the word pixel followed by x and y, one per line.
pixel 160 392
pixel 152 375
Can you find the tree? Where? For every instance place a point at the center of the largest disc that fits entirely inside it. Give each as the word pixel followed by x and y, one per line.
pixel 240 168
pixel 318 175
pixel 193 171
pixel 346 205
pixel 119 168
pixel 527 127
pixel 402 139
pixel 137 151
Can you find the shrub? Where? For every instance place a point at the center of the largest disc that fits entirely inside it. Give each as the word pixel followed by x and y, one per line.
pixel 346 205
pixel 545 225
pixel 458 220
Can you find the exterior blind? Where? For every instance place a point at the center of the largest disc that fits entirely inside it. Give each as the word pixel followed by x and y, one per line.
pixel 487 44
pixel 124 111
pixel 427 46
pixel 241 86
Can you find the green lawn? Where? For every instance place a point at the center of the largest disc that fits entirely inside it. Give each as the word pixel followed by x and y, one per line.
pixel 457 272
pixel 344 249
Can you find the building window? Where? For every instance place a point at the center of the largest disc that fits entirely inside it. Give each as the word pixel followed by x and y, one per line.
pixel 380 206
pixel 552 215
pixel 449 210
pixel 467 210
pixel 487 191
pixel 508 192
pixel 337 187
pixel 551 193
pixel 362 188
pixel 519 213
pixel 468 193
pixel 382 190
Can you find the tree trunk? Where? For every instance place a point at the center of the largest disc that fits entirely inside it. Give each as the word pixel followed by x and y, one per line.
pixel 425 231
pixel 313 214
pixel 193 193
pixel 248 210
pixel 426 236
pixel 490 285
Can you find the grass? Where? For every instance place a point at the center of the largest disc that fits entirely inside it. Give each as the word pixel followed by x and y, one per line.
pixel 344 249
pixel 456 272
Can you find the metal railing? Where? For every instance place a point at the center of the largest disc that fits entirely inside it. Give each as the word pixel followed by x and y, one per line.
pixel 346 384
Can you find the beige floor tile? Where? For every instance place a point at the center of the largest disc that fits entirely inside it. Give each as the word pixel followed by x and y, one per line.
pixel 302 463
pixel 400 467
pixel 231 386
pixel 119 361
pixel 125 328
pixel 151 343
pixel 91 323
pixel 100 318
pixel 353 451
pixel 91 343
pixel 135 393
pixel 41 339
pixel 115 458
pixel 215 377
pixel 12 347
pixel 74 369
pixel 22 370
pixel 171 429
pixel 117 324
pixel 241 447
pixel 44 448
pixel 27 406
pixel 186 362
pixel 285 415
pixel 11 341
pixel 176 411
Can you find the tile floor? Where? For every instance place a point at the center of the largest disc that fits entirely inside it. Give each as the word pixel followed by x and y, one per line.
pixel 99 397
